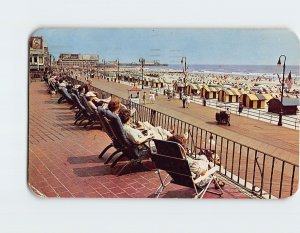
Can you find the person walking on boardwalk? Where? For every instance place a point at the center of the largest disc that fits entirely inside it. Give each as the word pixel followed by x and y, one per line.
pixel 228 112
pixel 183 101
pixel 241 106
pixel 152 98
pixel 204 101
pixel 144 97
pixel 188 101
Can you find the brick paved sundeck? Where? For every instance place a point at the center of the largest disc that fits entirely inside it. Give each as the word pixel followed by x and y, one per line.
pixel 63 158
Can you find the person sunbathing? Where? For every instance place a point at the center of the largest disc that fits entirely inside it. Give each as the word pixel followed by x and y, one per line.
pixel 138 136
pixel 115 106
pixel 94 101
pixel 198 165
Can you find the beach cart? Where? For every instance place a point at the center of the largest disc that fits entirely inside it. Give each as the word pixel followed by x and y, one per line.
pixel 222 118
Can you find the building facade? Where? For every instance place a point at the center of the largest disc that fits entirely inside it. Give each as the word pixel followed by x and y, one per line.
pixel 67 60
pixel 39 56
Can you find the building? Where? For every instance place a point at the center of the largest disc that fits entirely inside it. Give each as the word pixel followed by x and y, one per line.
pixel 255 100
pixel 289 105
pixel 67 60
pixel 230 95
pixel 39 56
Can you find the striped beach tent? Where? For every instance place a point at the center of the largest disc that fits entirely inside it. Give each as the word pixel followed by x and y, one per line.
pixel 147 81
pixel 255 100
pixel 192 88
pixel 210 92
pixel 230 95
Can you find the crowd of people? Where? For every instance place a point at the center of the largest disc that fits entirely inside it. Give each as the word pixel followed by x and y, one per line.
pixel 137 132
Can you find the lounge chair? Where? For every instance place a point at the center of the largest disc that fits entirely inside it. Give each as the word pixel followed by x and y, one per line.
pixel 82 114
pixel 101 113
pixel 64 95
pixel 92 117
pixel 169 157
pixel 133 152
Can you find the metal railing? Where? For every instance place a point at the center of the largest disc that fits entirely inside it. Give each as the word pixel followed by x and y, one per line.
pixel 264 175
pixel 272 118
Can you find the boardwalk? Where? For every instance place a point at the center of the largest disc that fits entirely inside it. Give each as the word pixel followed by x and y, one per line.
pixel 63 158
pixel 242 165
pixel 278 141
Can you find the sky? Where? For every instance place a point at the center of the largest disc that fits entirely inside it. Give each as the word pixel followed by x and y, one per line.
pixel 199 46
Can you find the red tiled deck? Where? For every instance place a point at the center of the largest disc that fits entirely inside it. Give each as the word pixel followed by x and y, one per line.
pixel 63 158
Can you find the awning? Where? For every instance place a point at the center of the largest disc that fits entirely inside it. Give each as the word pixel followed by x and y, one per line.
pixel 261 97
pixel 267 96
pixel 193 86
pixel 212 89
pixel 252 97
pixel 200 86
pixel 236 91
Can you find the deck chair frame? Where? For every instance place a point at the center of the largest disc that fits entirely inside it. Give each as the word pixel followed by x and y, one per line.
pixel 178 169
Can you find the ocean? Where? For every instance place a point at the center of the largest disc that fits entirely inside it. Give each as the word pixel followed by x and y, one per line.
pixel 271 70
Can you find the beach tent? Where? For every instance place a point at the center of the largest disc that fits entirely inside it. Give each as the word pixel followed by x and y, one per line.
pixel 179 87
pixel 161 82
pixel 289 105
pixel 192 88
pixel 210 92
pixel 255 100
pixel 147 81
pixel 230 95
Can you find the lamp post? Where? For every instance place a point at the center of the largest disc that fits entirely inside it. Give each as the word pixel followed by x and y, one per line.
pixel 183 61
pixel 103 60
pixel 142 61
pixel 282 86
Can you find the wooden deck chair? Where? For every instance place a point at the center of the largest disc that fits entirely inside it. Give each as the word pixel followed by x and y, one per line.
pixel 101 113
pixel 170 158
pixel 93 118
pixel 133 152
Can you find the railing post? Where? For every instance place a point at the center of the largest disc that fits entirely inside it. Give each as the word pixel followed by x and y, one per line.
pixel 153 117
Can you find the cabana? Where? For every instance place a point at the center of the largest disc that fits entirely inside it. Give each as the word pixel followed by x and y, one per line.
pixel 161 82
pixel 210 92
pixel 147 81
pixel 179 87
pixel 255 100
pixel 289 105
pixel 192 89
pixel 230 95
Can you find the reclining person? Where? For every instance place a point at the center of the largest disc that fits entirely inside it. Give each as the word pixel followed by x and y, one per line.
pixel 198 166
pixel 94 101
pixel 137 136
pixel 115 106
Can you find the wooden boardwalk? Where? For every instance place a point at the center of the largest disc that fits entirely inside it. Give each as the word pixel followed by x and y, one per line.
pixel 278 141
pixel 259 169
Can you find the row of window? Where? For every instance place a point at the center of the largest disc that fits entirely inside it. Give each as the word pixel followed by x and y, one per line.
pixel 36 60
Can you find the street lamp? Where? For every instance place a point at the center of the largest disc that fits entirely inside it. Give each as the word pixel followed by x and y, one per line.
pixel 183 61
pixel 142 61
pixel 282 86
pixel 103 60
